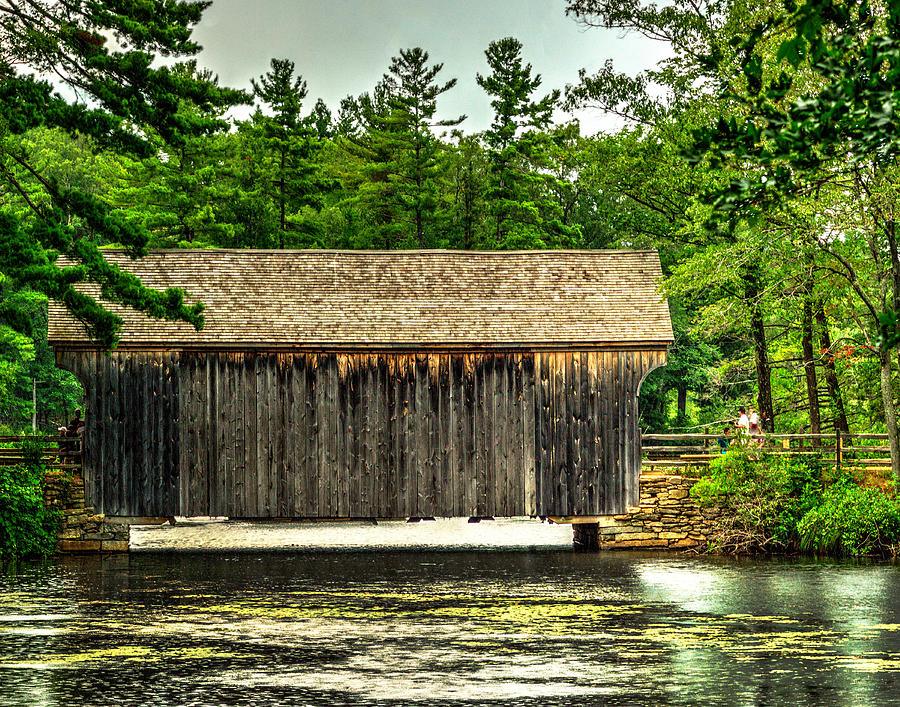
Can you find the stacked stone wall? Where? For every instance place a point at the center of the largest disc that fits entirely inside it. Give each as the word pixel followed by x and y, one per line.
pixel 81 530
pixel 667 518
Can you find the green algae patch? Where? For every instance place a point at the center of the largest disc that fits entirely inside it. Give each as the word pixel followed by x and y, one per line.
pixel 129 654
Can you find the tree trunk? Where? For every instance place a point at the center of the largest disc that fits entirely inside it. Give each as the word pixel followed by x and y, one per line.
pixel 809 369
pixel 890 411
pixel 831 379
pixel 682 402
pixel 760 353
pixel 282 199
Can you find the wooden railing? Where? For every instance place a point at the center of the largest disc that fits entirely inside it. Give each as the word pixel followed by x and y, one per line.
pixel 57 452
pixel 869 451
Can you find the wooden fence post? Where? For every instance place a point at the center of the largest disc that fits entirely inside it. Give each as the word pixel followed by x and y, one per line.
pixel 838 448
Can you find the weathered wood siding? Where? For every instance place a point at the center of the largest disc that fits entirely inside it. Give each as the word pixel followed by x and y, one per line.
pixel 327 435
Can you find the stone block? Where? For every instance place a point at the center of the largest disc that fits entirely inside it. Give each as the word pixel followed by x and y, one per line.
pixel 631 537
pixel 114 546
pixel 79 546
pixel 618 529
pixel 678 493
pixel 673 536
pixel 641 544
pixel 687 542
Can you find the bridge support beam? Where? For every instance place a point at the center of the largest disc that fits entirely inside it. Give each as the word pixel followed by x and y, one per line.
pixel 586 537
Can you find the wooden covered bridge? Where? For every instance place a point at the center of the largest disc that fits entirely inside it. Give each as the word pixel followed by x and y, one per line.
pixel 373 384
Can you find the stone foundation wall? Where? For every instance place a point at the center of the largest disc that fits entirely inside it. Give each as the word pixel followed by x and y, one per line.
pixel 666 519
pixel 80 529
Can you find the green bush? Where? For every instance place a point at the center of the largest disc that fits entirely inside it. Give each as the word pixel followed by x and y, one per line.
pixel 766 497
pixel 852 521
pixel 27 528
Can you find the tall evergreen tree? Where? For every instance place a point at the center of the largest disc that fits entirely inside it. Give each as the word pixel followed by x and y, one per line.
pixel 415 148
pixel 292 144
pixel 524 215
pixel 401 151
pixel 182 193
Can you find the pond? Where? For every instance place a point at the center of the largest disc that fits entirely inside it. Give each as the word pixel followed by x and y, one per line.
pixel 384 627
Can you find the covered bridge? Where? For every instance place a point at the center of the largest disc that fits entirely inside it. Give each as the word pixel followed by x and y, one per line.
pixel 337 384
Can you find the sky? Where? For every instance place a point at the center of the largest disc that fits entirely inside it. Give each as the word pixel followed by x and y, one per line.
pixel 344 46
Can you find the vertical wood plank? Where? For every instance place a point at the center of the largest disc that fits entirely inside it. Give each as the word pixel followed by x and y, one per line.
pixel 516 440
pixel 225 421
pixel 153 413
pixel 281 403
pixel 383 430
pixel 311 467
pixel 633 435
pixel 323 432
pixel 393 436
pixel 239 433
pixel 108 484
pixel 251 435
pixel 471 422
pixel 500 441
pixel 104 418
pixel 421 467
pixel 299 436
pixel 530 434
pixel 170 439
pixel 584 442
pixel 444 477
pixel 618 428
pixel 591 436
pixel 346 450
pixel 201 452
pixel 457 431
pixel 482 438
pixel 546 427
pixel 365 403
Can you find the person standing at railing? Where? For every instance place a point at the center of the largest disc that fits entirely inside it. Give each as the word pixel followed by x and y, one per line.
pixel 754 429
pixel 724 440
pixel 743 423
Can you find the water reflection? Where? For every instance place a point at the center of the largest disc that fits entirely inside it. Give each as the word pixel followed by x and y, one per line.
pixel 447 628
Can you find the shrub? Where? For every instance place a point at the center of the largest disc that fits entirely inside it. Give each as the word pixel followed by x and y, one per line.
pixel 852 521
pixel 766 497
pixel 27 528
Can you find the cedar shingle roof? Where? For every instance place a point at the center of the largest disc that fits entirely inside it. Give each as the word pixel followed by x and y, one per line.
pixel 259 298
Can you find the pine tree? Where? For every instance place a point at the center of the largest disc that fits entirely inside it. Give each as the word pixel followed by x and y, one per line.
pixel 524 215
pixel 415 149
pixel 292 144
pixel 182 192
pixel 399 151
pixel 106 51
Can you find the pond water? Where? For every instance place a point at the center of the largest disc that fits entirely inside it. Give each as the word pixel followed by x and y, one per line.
pixel 423 627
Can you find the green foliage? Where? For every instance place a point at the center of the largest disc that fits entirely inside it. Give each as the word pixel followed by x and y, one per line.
pixel 27 528
pixel 284 150
pixel 852 521
pixel 777 504
pixel 766 498
pixel 106 51
pixel 403 166
pixel 518 148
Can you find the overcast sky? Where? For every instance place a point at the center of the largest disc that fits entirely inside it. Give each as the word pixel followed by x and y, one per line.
pixel 345 46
